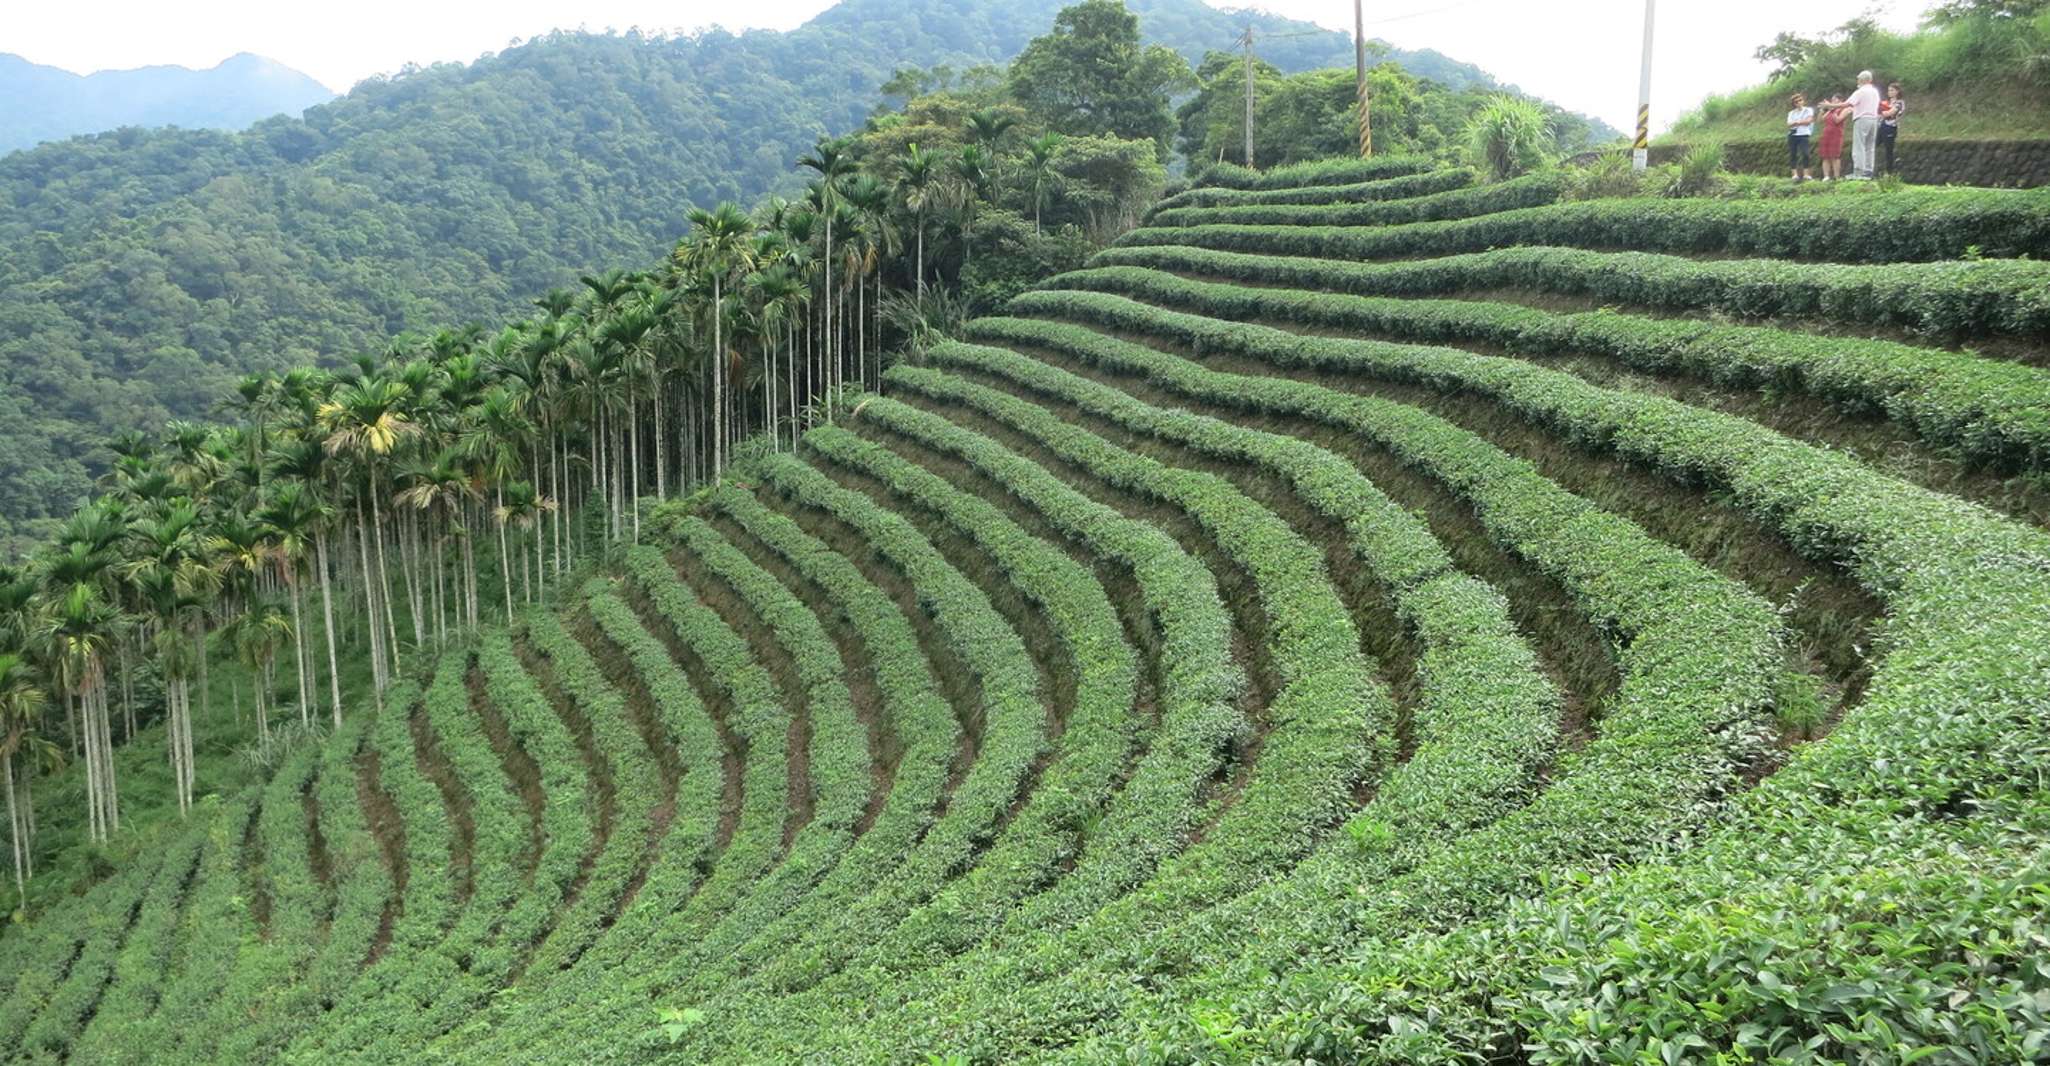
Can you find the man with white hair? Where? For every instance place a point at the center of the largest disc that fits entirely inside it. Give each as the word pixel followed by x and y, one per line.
pixel 1864 127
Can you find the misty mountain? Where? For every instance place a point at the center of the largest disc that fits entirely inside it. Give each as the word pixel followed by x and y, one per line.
pixel 48 104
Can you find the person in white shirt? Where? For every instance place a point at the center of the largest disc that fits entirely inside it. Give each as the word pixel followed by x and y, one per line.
pixel 1800 128
pixel 1864 127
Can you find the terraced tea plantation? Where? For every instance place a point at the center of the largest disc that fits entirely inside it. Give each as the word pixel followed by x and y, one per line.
pixel 1363 616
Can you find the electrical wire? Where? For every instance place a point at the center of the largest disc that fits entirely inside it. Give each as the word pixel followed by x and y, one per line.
pixel 1442 9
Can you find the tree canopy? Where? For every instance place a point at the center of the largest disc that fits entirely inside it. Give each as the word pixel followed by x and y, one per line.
pixel 1309 115
pixel 1091 76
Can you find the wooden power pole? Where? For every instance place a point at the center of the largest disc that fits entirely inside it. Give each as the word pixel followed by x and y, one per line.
pixel 1359 40
pixel 1640 153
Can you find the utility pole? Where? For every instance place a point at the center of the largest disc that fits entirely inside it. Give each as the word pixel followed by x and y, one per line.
pixel 1359 41
pixel 1640 155
pixel 1247 40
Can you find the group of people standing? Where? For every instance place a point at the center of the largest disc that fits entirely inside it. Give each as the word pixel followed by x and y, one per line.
pixel 1875 126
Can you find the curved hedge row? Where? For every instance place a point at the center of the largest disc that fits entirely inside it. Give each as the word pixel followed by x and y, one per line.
pixel 124 924
pixel 138 1018
pixel 840 771
pixel 685 855
pixel 362 888
pixel 326 929
pixel 758 716
pixel 1945 298
pixel 1314 172
pixel 1401 187
pixel 506 912
pixel 606 874
pixel 1992 411
pixel 1485 720
pixel 685 851
pixel 919 717
pixel 1330 723
pixel 1044 832
pixel 1480 684
pixel 119 1029
pixel 1013 738
pixel 760 720
pixel 262 1002
pixel 1879 227
pixel 430 903
pixel 1532 190
pixel 1697 686
pixel 1159 806
pixel 1946 752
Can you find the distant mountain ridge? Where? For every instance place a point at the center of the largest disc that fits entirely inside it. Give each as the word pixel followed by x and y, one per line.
pixel 48 104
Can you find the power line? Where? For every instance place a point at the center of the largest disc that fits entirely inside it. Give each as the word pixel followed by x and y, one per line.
pixel 1429 11
pixel 1245 40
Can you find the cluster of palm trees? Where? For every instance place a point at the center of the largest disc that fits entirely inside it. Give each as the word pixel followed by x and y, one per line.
pixel 340 516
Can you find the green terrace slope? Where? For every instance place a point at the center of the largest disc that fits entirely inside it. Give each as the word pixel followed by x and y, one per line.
pixel 1365 615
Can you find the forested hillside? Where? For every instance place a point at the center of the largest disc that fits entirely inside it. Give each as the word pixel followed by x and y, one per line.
pixel 46 103
pixel 141 271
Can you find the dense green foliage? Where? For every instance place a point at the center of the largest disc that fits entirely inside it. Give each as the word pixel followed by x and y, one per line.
pixel 1091 76
pixel 1259 643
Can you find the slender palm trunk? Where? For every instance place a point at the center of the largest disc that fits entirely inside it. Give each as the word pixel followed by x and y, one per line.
pixel 383 581
pixel 470 571
pixel 540 559
pixel 16 829
pixel 718 381
pixel 376 631
pixel 633 407
pixel 299 654
pixel 107 745
pixel 563 556
pixel 327 607
pixel 263 709
pixel 661 438
pixel 92 770
pixel 409 560
pixel 440 589
pixel 504 556
pixel 302 661
pixel 826 364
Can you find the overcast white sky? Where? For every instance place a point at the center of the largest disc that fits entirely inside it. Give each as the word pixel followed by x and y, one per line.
pixel 1583 53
